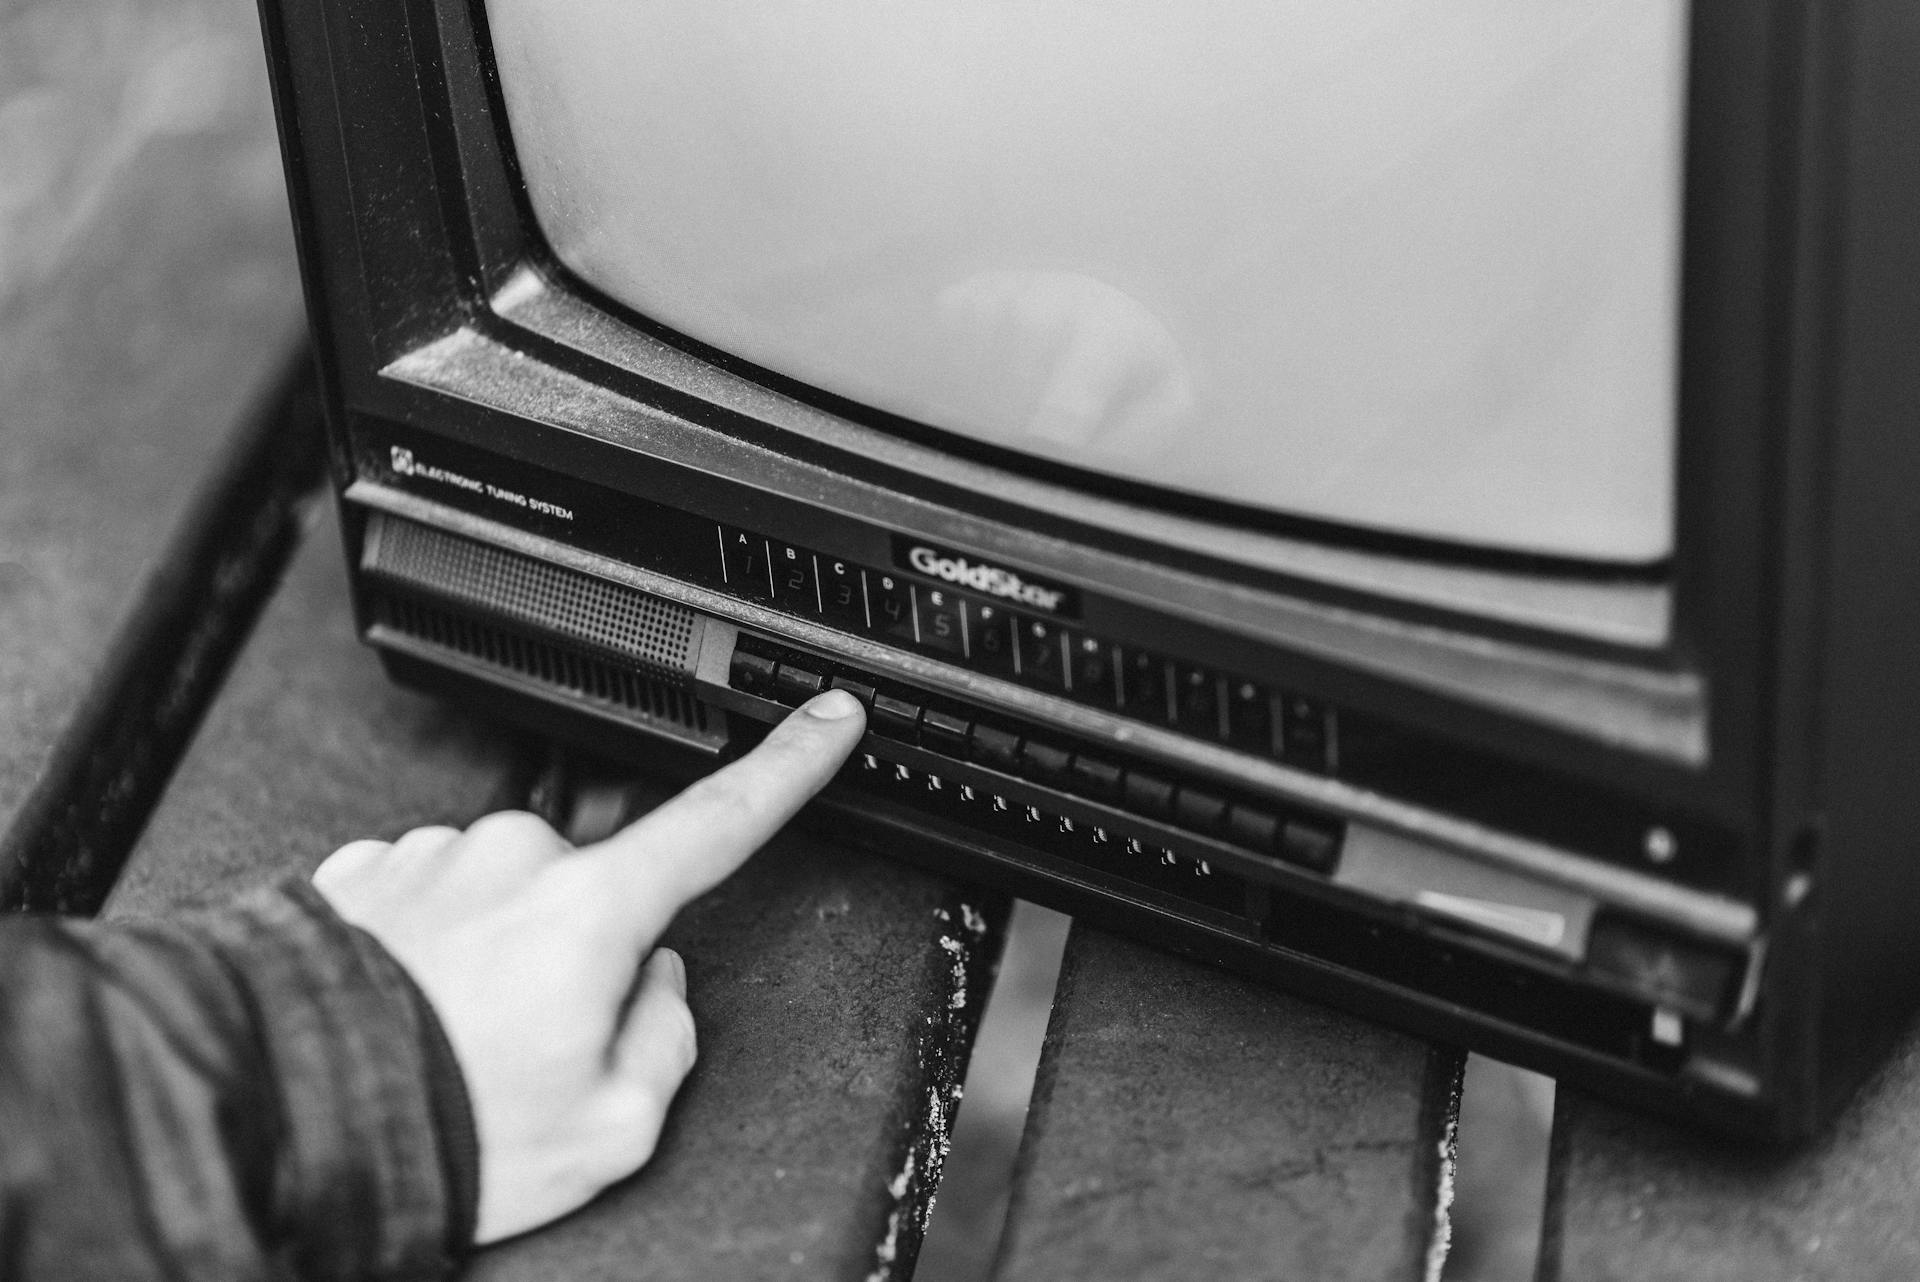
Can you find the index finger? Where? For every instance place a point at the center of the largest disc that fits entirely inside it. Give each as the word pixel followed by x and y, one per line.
pixel 690 844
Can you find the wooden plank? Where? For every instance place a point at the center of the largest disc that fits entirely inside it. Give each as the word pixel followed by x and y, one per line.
pixel 1188 1123
pixel 147 296
pixel 1634 1198
pixel 836 994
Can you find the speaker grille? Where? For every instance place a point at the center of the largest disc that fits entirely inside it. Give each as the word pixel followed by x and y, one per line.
pixel 576 673
pixel 655 634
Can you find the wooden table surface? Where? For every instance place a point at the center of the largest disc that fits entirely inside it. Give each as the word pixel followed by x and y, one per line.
pixel 156 496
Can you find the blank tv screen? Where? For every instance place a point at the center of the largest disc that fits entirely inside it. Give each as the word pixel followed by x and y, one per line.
pixel 1407 265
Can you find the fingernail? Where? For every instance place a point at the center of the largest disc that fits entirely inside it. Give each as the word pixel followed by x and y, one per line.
pixel 676 968
pixel 832 706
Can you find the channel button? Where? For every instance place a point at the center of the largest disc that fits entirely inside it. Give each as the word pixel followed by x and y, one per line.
pixel 1042 655
pixel 941 624
pixel 995 747
pixel 1196 702
pixel 991 639
pixel 843 594
pixel 895 718
pixel 793 587
pixel 745 564
pixel 1200 811
pixel 1092 670
pixel 1095 778
pixel 1253 829
pixel 1044 763
pixel 797 685
pixel 944 732
pixel 753 673
pixel 1148 795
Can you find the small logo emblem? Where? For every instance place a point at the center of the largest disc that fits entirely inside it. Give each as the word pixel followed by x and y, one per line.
pixel 402 461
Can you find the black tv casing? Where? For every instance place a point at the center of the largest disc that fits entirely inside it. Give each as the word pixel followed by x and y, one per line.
pixel 1707 770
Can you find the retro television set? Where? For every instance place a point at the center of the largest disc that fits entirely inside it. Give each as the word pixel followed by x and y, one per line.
pixel 1415 502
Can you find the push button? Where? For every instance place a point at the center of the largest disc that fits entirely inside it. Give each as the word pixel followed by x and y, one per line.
pixel 944 732
pixel 1305 735
pixel 995 747
pixel 753 673
pixel 1253 828
pixel 1309 845
pixel 892 602
pixel 1092 777
pixel 1250 717
pixel 895 718
pixel 991 629
pixel 1044 763
pixel 1148 795
pixel 1092 670
pixel 1042 657
pixel 843 595
pixel 1201 811
pixel 1196 702
pixel 1692 977
pixel 938 621
pixel 746 567
pixel 793 586
pixel 1143 686
pixel 797 685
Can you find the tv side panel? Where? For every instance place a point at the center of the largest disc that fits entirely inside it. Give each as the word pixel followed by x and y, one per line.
pixel 1867 882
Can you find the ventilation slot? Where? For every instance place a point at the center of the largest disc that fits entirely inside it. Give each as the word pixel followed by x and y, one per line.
pixel 636 628
pixel 578 673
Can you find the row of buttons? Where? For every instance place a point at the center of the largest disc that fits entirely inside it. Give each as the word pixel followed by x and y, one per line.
pixel 1041 653
pixel 907 717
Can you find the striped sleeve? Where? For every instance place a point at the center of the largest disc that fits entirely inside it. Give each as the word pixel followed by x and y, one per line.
pixel 257 1091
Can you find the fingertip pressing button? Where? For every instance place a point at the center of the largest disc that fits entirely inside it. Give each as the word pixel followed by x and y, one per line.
pixel 828 708
pixel 858 689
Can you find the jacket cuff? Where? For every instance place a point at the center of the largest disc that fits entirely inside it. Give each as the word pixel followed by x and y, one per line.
pixel 377 1172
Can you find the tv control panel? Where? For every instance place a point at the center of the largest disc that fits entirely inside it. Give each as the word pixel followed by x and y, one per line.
pixel 906 716
pixel 1026 630
pixel 1071 803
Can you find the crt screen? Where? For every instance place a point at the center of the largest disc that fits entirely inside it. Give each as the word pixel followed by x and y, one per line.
pixel 1402 264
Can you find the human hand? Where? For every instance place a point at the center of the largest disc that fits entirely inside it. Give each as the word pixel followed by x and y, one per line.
pixel 528 949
